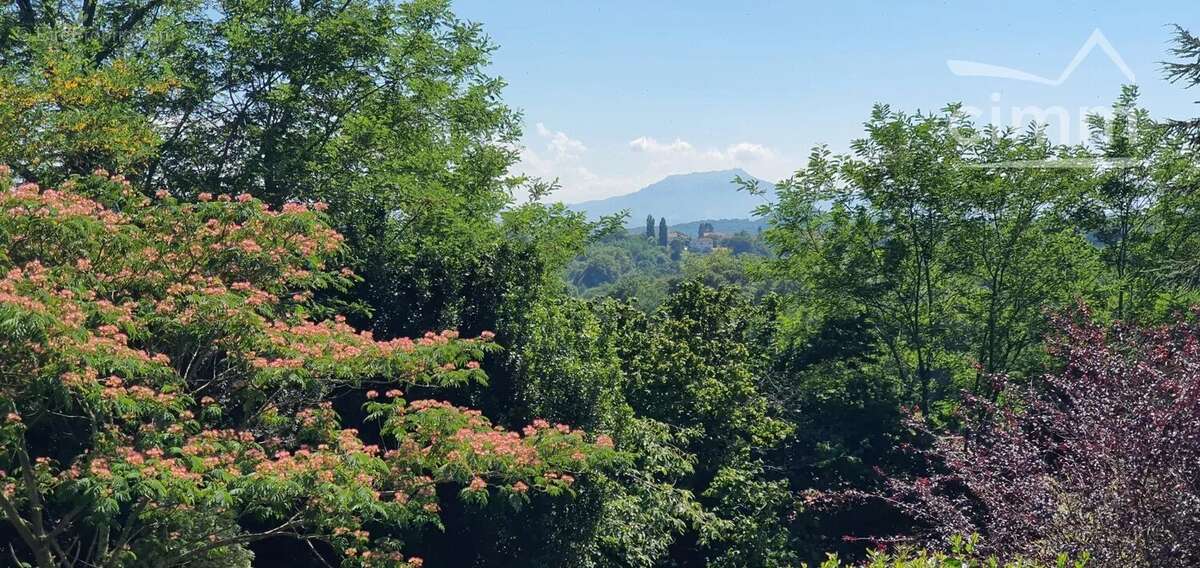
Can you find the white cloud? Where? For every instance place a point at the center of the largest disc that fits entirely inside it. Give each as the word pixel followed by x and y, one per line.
pixel 585 172
pixel 652 146
pixel 559 144
pixel 749 152
pixel 552 154
pixel 731 155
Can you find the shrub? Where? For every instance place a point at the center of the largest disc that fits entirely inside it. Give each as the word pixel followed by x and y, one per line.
pixel 1101 456
pixel 963 555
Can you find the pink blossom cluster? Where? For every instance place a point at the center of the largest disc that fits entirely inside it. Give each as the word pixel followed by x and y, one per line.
pixel 168 277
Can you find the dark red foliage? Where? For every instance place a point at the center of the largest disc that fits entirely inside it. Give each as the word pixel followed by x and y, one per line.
pixel 1102 455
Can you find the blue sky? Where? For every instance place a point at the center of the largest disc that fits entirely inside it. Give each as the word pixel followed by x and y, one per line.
pixel 617 94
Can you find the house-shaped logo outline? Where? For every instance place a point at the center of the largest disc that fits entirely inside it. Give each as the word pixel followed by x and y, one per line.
pixel 1097 39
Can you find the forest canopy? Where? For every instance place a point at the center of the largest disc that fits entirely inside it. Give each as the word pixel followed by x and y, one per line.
pixel 273 290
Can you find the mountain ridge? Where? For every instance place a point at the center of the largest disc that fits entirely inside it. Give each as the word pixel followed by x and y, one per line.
pixel 682 198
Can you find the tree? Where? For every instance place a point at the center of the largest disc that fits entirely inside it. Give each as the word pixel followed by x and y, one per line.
pixel 599 267
pixel 677 390
pixel 918 266
pixel 1019 249
pixel 662 232
pixel 1185 70
pixel 281 100
pixel 741 243
pixel 574 369
pixel 691 366
pixel 677 248
pixel 605 262
pixel 168 386
pixel 381 109
pixel 61 113
pixel 831 385
pixel 934 245
pixel 1098 456
pixel 721 268
pixel 649 227
pixel 1125 199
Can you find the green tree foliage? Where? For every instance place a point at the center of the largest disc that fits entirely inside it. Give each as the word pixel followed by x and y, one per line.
pixel 62 113
pixel 637 270
pixel 924 262
pixel 145 338
pixel 676 389
pixel 1185 69
pixel 691 365
pixel 168 386
pixel 381 109
pixel 947 259
pixel 677 247
pixel 573 349
pixel 623 267
pixel 694 349
pixel 835 389
pixel 281 99
pixel 743 243
pixel 1135 206
pixel 961 555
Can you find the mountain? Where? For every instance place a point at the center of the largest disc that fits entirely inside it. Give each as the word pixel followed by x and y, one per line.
pixel 683 198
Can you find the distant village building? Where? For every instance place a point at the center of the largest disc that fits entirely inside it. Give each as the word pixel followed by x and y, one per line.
pixel 702 246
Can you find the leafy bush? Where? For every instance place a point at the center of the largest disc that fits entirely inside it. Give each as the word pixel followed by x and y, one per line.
pixel 963 555
pixel 1102 455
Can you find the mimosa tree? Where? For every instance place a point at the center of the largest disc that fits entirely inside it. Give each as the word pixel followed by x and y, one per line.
pixel 166 380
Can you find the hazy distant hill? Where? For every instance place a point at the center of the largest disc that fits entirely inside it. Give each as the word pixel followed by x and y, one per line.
pixel 726 226
pixel 681 199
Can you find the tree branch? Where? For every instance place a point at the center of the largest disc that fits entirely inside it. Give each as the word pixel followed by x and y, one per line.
pixel 27 16
pixel 282 529
pixel 136 17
